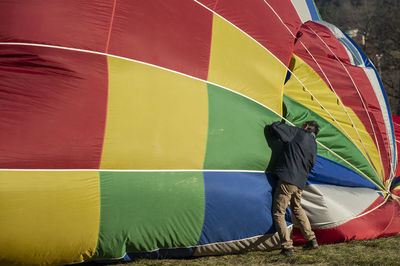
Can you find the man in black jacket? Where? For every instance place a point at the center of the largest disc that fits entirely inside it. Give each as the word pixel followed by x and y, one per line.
pixel 293 167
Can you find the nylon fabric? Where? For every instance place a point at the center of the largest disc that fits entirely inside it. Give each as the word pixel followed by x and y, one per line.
pixel 137 129
pixel 328 107
pixel 302 10
pixel 376 84
pixel 255 19
pixel 328 206
pixel 49 217
pixel 173 34
pixel 333 139
pixel 223 223
pixel 313 10
pixel 380 223
pixel 79 24
pixel 165 209
pixel 396 125
pixel 244 66
pixel 234 132
pixel 343 75
pixel 266 242
pixel 52 108
pixel 328 172
pixel 140 133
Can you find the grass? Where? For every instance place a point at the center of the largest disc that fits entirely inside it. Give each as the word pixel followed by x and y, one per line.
pixel 383 251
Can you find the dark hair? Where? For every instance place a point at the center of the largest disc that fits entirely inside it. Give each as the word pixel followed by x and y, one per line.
pixel 313 126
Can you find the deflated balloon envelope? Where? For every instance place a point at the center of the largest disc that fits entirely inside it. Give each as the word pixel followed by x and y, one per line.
pixel 137 128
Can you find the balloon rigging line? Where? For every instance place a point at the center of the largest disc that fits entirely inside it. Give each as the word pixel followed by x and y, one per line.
pixel 327 147
pixel 345 110
pixel 133 170
pixel 323 72
pixel 370 179
pixel 376 141
pixel 156 170
pixel 287 70
pixel 391 219
pixel 106 54
pixel 140 62
pixel 242 31
pixel 376 207
pixel 359 94
pixel 340 157
pixel 351 78
pixel 180 73
pixel 190 170
pixel 337 97
pixel 111 26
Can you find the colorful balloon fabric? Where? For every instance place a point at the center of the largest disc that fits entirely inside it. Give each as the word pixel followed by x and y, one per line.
pixel 396 124
pixel 136 128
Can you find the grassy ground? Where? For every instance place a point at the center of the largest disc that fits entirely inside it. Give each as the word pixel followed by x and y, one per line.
pixel 383 251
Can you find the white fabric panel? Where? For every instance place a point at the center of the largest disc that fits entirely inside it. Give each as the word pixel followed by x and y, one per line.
pixel 302 10
pixel 342 39
pixel 329 206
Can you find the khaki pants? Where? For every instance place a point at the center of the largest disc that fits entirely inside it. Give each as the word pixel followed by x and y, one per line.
pixel 286 193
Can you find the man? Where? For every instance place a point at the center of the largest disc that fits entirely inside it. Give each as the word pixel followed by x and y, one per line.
pixel 292 169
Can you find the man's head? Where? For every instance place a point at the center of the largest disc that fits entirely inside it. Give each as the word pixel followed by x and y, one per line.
pixel 311 125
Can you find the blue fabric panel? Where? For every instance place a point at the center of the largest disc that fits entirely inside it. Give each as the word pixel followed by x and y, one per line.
pixel 313 10
pixel 369 64
pixel 288 75
pixel 395 182
pixel 238 206
pixel 329 172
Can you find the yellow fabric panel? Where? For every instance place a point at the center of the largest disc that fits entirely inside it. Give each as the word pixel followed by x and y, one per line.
pixel 316 85
pixel 156 119
pixel 48 217
pixel 240 64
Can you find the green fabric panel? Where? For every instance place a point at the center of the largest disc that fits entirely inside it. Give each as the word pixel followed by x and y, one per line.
pixel 144 211
pixel 236 137
pixel 331 137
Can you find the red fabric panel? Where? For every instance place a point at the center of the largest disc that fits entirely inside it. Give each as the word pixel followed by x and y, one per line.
pixel 52 108
pixel 258 20
pixel 381 222
pixel 342 83
pixel 80 24
pixel 173 34
pixel 396 125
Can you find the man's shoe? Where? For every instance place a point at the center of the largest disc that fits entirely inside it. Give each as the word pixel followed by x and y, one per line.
pixel 311 244
pixel 287 251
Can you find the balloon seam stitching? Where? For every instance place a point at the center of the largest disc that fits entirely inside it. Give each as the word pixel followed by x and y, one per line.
pixel 132 170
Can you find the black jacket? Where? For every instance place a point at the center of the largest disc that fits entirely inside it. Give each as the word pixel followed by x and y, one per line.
pixel 298 155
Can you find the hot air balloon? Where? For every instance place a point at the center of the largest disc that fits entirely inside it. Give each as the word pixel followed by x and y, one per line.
pixel 136 128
